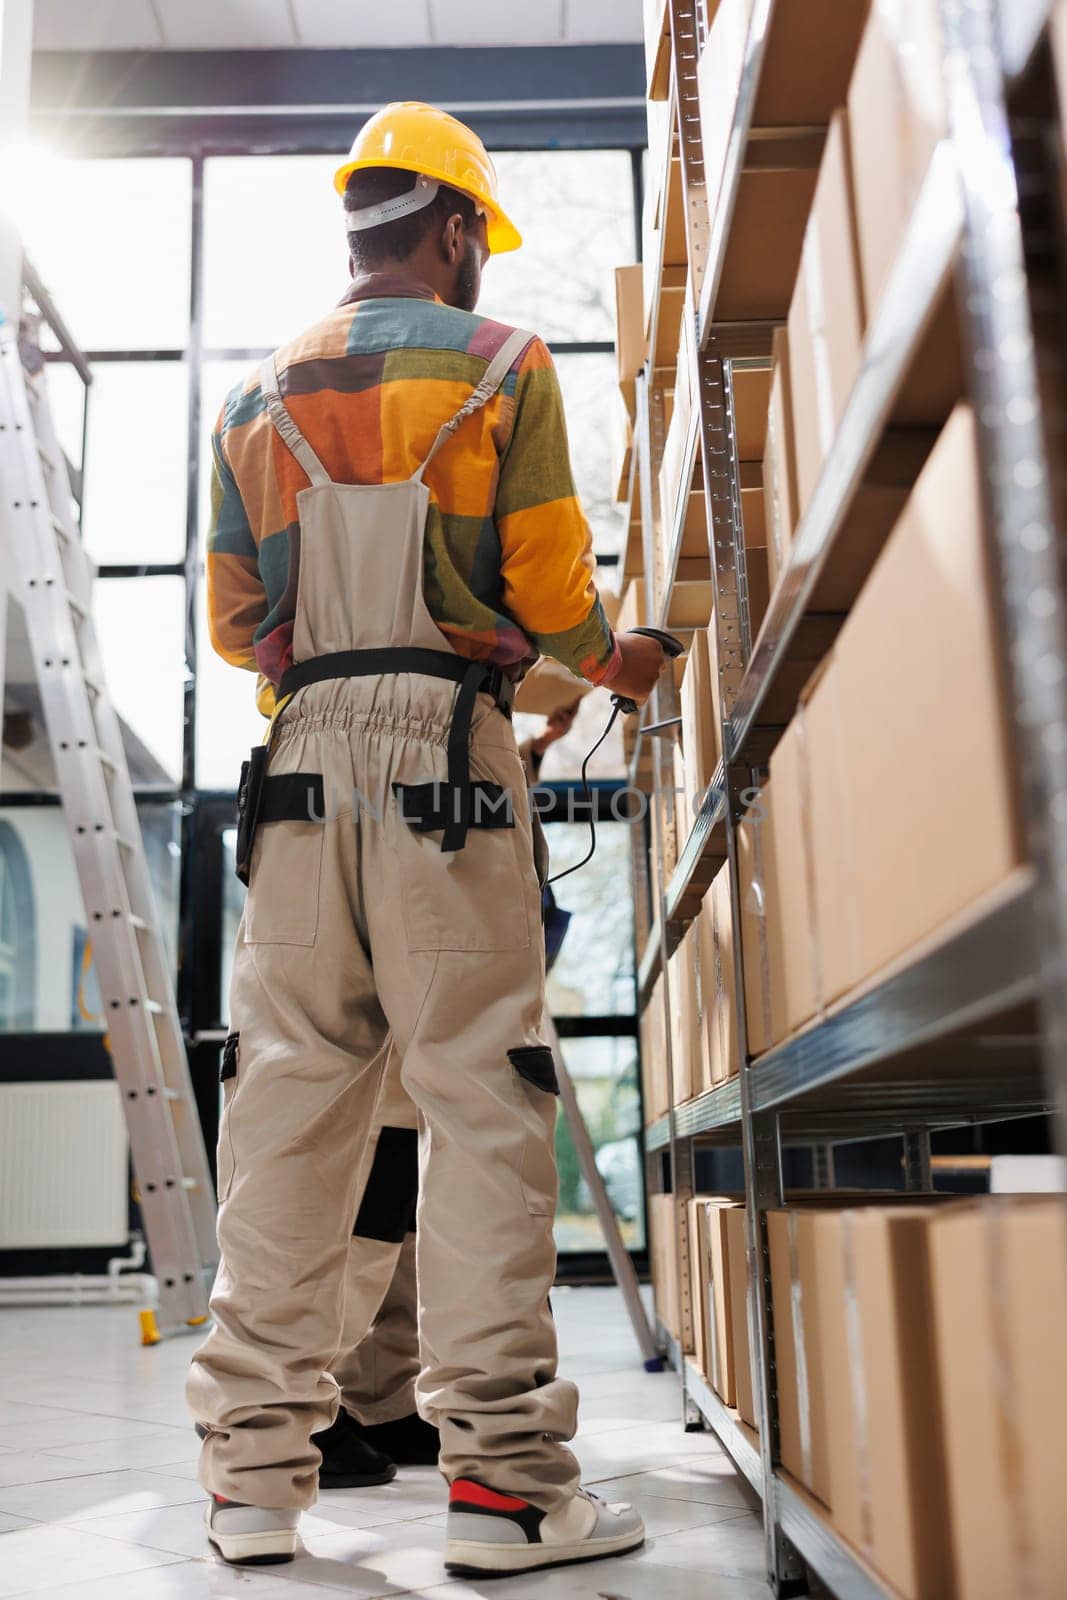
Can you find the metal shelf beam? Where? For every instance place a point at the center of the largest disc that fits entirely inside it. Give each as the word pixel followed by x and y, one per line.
pixel 822 1547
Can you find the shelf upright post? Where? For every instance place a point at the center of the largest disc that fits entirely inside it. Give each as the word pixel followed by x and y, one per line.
pixel 761 1144
pixel 649 443
pixel 1026 543
pixel 918 1172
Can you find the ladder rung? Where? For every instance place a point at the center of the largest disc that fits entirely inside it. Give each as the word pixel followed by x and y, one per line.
pixel 154 1007
pixel 173 1094
pixel 60 527
pixel 136 922
pixel 47 460
pixel 124 843
pixel 77 605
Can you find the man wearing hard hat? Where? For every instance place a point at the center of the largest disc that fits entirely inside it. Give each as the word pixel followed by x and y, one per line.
pixel 395 537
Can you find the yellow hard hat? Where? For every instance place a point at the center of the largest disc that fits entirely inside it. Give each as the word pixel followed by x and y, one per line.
pixel 419 138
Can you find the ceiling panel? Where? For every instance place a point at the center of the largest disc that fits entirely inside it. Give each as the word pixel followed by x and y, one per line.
pixel 362 24
pixel 103 25
pixel 226 24
pixel 603 21
pixel 494 22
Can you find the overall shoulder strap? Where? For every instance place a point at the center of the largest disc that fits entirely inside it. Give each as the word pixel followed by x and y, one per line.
pixel 488 384
pixel 286 428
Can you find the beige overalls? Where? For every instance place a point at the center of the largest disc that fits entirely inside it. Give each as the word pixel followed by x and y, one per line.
pixel 373 921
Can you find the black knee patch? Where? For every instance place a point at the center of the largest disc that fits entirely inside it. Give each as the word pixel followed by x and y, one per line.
pixel 387 1210
pixel 536 1064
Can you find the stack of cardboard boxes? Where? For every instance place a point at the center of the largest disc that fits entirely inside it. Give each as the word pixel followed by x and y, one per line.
pixel 922 1398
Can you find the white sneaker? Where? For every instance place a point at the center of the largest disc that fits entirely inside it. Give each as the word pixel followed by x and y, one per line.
pixel 490 1532
pixel 250 1534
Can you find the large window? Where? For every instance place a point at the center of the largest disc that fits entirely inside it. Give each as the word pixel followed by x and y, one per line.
pixel 199 267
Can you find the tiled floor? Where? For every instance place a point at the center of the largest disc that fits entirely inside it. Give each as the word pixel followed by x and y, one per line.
pixel 99 1500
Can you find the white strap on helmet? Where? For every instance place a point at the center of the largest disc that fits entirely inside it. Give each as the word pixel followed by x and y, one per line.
pixel 423 194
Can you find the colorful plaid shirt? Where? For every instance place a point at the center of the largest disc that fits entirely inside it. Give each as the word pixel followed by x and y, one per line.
pixel 508 564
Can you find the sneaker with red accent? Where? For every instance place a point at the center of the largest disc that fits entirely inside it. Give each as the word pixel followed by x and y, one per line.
pixel 251 1535
pixel 489 1532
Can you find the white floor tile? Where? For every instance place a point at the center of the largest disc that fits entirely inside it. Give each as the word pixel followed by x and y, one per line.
pixel 191 1580
pixel 732 1549
pixel 97 1494
pixel 154 1448
pixel 8 1523
pixel 626 1578
pixel 38 1559
pixel 709 1479
pixel 20 1466
pixel 383 1561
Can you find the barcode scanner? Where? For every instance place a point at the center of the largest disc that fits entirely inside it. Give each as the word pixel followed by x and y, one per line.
pixel 624 705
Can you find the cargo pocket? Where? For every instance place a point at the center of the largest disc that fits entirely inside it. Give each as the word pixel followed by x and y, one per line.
pixel 228 1069
pixel 283 893
pixel 534 1077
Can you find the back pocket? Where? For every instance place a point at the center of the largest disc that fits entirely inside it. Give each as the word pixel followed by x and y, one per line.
pixel 283 891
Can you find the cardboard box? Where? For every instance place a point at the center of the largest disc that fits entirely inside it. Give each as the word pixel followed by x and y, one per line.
pixel 831 847
pixel 730 1044
pixel 632 610
pixel 779 462
pixel 654 1081
pixel 668 1222
pixel 826 318
pixel 710 1040
pixel 752 389
pixel 888 479
pixel 803 1377
pixel 700 733
pixel 738 1279
pixel 657 48
pixel 1000 1317
pixel 794 960
pixel 763 253
pixel 712 1327
pixel 759 586
pixel 921 705
pixel 684 1019
pixel 896 114
pixel 755 855
pixel 631 347
pixel 683 821
pixel 801 84
pixel 718 82
pixel 887 1481
pixel 549 687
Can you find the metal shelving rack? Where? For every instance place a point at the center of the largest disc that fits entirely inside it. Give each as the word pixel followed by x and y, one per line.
pixel 847 1076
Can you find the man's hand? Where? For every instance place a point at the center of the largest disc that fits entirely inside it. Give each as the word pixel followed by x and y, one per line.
pixel 559 723
pixel 642 662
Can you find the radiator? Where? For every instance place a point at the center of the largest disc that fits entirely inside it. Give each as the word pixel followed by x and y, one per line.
pixel 63 1165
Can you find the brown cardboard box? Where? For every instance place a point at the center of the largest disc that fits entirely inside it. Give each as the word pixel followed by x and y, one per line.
pixel 718 80
pixel 803 1375
pixel 712 1330
pixel 759 586
pixel 684 1021
pixel 887 1481
pixel 662 1212
pixel 737 1277
pixel 752 390
pixel 794 964
pixel 657 49
pixel 631 348
pixel 888 479
pixel 823 36
pixel 632 610
pixel 718 977
pixel 654 1055
pixel 896 113
pixel 683 822
pixel 730 1044
pixel 826 318
pixel 711 1033
pixel 1000 1316
pixel 920 693
pixel 668 1222
pixel 763 254
pixel 755 854
pixel 700 733
pixel 831 848
pixel 779 463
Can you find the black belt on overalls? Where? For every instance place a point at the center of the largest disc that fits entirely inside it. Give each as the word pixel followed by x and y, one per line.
pixel 473 677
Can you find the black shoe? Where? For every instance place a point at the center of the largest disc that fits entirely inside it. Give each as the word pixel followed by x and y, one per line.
pixel 349 1460
pixel 409 1441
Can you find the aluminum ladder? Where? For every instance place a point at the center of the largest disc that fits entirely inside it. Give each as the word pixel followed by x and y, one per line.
pixel 53 580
